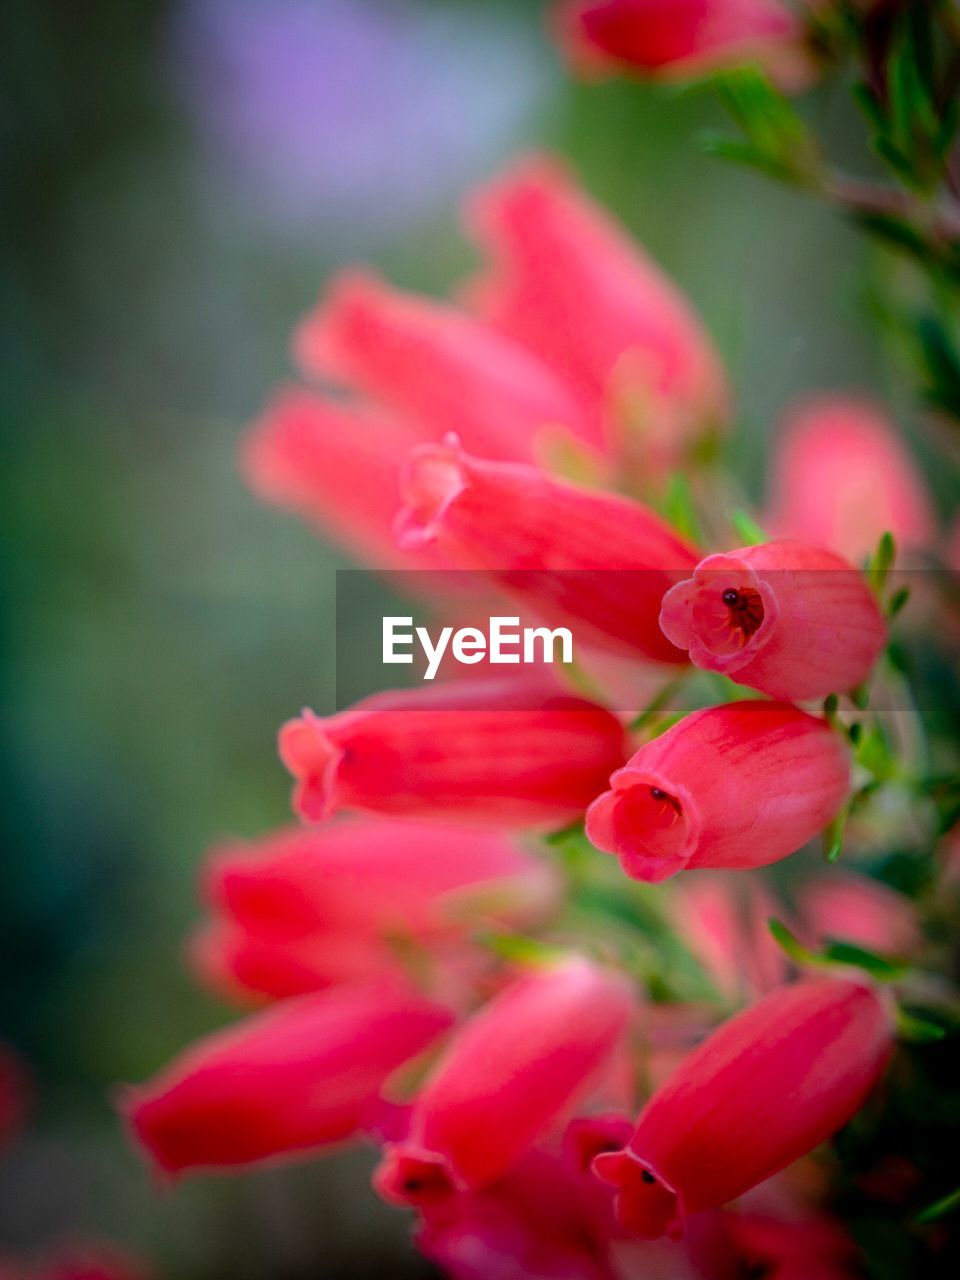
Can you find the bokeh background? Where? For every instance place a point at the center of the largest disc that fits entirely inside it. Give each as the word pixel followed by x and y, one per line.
pixel 178 178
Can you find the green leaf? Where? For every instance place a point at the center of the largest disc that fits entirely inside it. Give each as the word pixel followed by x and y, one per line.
pixel 917 1030
pixel 747 528
pixel 747 154
pixel 830 704
pixel 940 1208
pixel 833 836
pixel 897 602
pixel 679 509
pixel 657 703
pixel 881 562
pixel 839 952
pixel 788 942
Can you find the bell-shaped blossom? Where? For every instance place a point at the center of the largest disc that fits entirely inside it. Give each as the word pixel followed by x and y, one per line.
pixel 297 1077
pixel 738 785
pixel 437 367
pixel 512 1073
pixel 841 477
pixel 597 562
pixel 770 1085
pixel 680 39
pixel 306 909
pixel 850 907
pixel 336 465
pixel 791 620
pixel 495 752
pixel 566 281
pixel 722 920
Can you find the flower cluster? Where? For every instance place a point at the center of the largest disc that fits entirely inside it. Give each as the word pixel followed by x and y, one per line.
pixel 427 948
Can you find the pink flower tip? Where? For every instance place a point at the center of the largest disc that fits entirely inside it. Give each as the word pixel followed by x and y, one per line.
pixel 410 1176
pixel 308 752
pixel 652 825
pixel 650 1208
pixel 434 478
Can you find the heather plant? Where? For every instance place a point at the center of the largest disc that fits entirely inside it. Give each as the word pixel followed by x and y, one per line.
pixel 729 1050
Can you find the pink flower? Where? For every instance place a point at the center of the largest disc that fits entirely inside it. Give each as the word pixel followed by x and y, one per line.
pixel 596 561
pixel 305 909
pixel 840 477
pixel 335 464
pixel 723 921
pixel 297 1077
pixel 790 620
pixel 567 283
pixel 437 367
pixel 512 1073
pixel 501 753
pixel 681 39
pixel 770 1085
pixel 855 908
pixel 739 785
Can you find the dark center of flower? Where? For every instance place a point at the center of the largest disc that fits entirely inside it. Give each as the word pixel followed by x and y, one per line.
pixel 647 1176
pixel 746 609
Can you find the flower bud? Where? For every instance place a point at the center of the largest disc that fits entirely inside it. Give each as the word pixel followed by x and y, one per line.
pixel 511 1073
pixel 436 367
pixel 793 621
pixel 770 1085
pixel 840 478
pixel 680 39
pixel 299 1076
pixel 569 284
pixel 738 785
pixel 595 561
pixel 501 753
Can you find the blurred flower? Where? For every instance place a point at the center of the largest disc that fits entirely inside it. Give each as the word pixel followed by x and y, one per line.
pixel 737 785
pixel 767 1087
pixel 505 753
pixel 332 120
pixel 841 477
pixel 301 910
pixel 301 1076
pixel 510 1074
pixel 681 39
pixel 791 620
pixel 577 556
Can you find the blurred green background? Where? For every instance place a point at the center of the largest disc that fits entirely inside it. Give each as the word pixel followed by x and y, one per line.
pixel 178 179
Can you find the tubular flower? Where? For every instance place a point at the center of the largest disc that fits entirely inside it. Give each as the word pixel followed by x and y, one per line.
pixel 566 282
pixel 680 39
pixel 500 753
pixel 297 1077
pixel 597 561
pixel 512 1073
pixel 437 367
pixel 858 909
pixel 770 1085
pixel 739 785
pixel 790 620
pixel 334 464
pixel 841 477
pixel 307 909
pixel 723 921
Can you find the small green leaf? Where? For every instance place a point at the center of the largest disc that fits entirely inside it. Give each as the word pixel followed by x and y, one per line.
pixel 833 836
pixel 657 703
pixel 897 602
pixel 747 528
pixel 917 1030
pixel 830 705
pixel 788 942
pixel 840 952
pixel 940 1208
pixel 860 697
pixel 679 508
pixel 881 562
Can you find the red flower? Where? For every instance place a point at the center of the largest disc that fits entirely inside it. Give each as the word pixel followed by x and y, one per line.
pixel 767 1087
pixel 300 1076
pixel 305 909
pixel 511 1074
pixel 790 620
pixel 502 753
pixel 567 283
pixel 595 561
pixel 738 785
pixel 841 477
pixel 686 38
